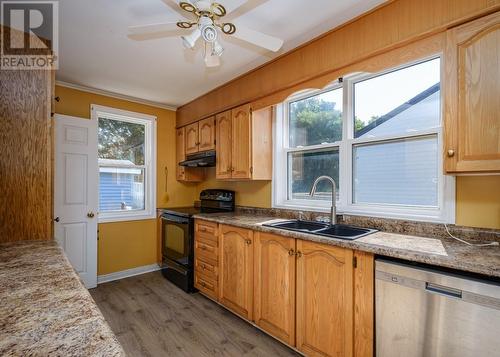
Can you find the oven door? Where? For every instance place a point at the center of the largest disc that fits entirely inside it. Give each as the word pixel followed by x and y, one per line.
pixel 177 240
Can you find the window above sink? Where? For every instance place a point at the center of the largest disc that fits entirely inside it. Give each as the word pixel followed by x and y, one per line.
pixel 377 135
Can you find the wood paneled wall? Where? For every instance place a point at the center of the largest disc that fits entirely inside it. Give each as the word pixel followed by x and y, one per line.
pixel 392 25
pixel 25 155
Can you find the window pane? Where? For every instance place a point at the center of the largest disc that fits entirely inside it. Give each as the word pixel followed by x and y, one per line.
pixel 121 189
pixel 316 120
pixel 305 167
pixel 398 102
pixel 401 172
pixel 120 140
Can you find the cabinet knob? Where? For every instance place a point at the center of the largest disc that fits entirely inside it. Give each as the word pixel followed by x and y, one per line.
pixel 291 252
pixel 450 153
pixel 299 254
pixel 248 241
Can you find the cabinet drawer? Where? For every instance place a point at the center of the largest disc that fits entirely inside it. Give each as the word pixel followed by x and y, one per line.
pixel 206 249
pixel 206 267
pixel 207 230
pixel 206 285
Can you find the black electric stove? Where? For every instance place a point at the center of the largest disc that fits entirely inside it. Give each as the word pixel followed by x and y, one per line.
pixel 178 235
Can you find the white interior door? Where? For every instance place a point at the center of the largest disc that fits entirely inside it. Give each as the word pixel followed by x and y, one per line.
pixel 76 193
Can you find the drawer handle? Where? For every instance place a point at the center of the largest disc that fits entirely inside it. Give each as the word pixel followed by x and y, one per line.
pixel 202 229
pixel 203 267
pixel 202 284
pixel 203 247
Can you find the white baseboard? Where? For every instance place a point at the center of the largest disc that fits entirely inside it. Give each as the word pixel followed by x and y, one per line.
pixel 127 273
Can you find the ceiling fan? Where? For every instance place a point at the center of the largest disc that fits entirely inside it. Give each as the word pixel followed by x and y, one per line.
pixel 207 24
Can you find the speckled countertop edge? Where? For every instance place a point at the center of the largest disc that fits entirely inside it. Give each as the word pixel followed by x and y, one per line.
pixel 45 309
pixel 443 252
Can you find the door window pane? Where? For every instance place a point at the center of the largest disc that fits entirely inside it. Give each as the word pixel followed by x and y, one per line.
pixel 121 189
pixel 403 172
pixel 121 140
pixel 305 167
pixel 402 101
pixel 316 120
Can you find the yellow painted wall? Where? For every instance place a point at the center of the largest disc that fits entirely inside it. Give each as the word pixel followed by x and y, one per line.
pixel 478 201
pixel 126 245
pixel 253 194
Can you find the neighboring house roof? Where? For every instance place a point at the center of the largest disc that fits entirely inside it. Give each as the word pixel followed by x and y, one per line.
pixel 118 167
pixel 112 162
pixel 425 97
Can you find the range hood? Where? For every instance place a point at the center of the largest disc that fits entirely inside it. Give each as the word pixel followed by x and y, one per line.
pixel 201 159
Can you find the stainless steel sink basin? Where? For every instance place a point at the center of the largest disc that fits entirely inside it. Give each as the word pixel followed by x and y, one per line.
pixel 340 231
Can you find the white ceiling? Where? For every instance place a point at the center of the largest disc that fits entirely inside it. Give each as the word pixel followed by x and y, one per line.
pixel 95 51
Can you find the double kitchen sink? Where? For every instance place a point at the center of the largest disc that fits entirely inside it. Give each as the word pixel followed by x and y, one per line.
pixel 339 231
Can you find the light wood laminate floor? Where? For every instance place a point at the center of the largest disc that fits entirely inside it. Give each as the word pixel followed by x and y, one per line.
pixel 152 317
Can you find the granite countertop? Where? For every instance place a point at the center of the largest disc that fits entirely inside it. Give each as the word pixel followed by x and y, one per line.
pixel 444 252
pixel 45 310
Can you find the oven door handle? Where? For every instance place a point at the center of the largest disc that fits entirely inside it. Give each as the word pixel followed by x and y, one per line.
pixel 175 219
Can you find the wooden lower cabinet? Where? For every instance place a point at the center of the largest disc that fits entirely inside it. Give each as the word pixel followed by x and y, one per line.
pixel 274 285
pixel 315 297
pixel 324 300
pixel 236 270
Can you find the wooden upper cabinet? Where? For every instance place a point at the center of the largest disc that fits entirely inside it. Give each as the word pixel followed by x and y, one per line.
pixel 274 285
pixel 472 114
pixel 324 300
pixel 206 134
pixel 179 153
pixel 183 173
pixel 223 145
pixel 192 138
pixel 236 270
pixel 244 144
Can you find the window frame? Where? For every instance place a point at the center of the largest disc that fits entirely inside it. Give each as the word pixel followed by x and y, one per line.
pixel 445 210
pixel 149 166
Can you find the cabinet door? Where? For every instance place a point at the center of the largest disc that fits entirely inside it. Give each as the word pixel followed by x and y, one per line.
pixel 180 154
pixel 242 141
pixel 236 270
pixel 274 285
pixel 472 121
pixel 324 300
pixel 192 138
pixel 223 129
pixel 206 132
pixel 182 173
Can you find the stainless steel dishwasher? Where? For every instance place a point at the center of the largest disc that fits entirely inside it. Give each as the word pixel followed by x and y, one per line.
pixel 423 312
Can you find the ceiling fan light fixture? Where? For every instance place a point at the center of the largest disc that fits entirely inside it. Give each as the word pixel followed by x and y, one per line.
pixel 209 33
pixel 211 58
pixel 190 40
pixel 217 49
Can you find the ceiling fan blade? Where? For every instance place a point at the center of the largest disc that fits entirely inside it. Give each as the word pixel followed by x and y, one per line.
pixel 151 28
pixel 258 38
pixel 232 5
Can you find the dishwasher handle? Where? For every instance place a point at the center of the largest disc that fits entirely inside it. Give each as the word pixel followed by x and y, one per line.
pixel 443 290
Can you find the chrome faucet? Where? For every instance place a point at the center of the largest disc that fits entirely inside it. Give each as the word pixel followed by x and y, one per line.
pixel 333 211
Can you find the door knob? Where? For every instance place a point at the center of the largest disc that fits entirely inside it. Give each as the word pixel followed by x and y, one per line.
pixel 56 219
pixel 90 214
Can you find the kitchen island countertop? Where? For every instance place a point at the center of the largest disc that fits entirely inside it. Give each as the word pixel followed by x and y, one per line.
pixel 45 310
